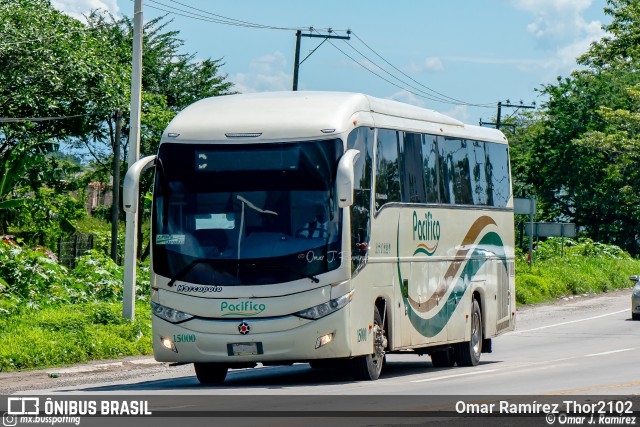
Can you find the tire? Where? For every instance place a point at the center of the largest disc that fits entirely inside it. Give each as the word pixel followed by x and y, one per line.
pixel 443 358
pixel 635 316
pixel 210 373
pixel 468 353
pixel 369 367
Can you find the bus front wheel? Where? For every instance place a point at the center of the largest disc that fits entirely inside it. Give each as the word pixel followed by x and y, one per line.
pixel 210 373
pixel 468 352
pixel 369 367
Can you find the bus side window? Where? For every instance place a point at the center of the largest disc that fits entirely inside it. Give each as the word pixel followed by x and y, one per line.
pixel 412 177
pixel 456 168
pixel 387 172
pixel 430 168
pixel 478 172
pixel 361 139
pixel 497 170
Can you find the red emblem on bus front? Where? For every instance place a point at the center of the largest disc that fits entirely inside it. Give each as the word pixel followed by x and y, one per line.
pixel 244 328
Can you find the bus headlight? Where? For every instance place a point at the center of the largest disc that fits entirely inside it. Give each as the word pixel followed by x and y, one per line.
pixel 169 314
pixel 326 308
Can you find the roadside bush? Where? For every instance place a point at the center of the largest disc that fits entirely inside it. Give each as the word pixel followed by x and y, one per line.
pixel 76 333
pixel 583 267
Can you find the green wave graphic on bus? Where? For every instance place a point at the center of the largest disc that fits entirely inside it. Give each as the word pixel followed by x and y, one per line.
pixel 490 245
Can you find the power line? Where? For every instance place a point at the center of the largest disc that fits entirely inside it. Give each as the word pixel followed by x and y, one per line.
pixel 41 119
pixel 420 94
pixel 213 17
pixel 415 81
pixel 431 94
pixel 425 94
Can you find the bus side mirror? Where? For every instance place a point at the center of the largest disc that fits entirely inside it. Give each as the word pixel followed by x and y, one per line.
pixel 132 183
pixel 344 178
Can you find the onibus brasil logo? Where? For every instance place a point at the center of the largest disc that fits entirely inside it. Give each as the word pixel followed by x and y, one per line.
pixel 427 231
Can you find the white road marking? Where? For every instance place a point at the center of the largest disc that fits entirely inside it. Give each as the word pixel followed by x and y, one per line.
pixel 567 323
pixel 445 377
pixel 610 352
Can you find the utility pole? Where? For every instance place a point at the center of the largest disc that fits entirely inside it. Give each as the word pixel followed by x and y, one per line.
pixel 131 236
pixel 297 62
pixel 498 123
pixel 115 206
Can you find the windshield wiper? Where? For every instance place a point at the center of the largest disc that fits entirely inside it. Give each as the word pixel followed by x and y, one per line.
pixel 314 279
pixel 187 268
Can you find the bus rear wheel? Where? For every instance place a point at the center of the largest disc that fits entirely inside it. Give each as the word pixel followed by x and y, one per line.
pixel 468 352
pixel 210 373
pixel 369 367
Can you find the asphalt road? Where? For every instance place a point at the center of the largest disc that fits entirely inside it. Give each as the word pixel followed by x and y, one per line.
pixel 585 346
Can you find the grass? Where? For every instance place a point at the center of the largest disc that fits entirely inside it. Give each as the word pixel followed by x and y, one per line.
pixel 70 334
pixel 583 268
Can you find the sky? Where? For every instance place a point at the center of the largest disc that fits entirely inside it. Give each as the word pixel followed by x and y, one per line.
pixel 459 57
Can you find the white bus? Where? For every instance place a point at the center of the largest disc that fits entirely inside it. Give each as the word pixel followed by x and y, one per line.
pixel 328 228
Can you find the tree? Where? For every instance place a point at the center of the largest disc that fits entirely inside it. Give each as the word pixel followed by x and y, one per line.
pixel 54 80
pixel 580 154
pixel 171 80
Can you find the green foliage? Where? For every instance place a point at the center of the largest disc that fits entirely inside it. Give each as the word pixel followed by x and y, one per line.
pixel 52 316
pixel 76 333
pixel 585 267
pixel 578 155
pixel 33 278
pixel 47 215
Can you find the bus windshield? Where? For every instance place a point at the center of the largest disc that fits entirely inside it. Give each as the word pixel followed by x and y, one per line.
pixel 246 214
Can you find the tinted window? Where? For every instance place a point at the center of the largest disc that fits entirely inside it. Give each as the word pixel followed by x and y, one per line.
pixel 361 139
pixel 430 168
pixel 219 224
pixel 456 173
pixel 413 190
pixel 387 173
pixel 497 167
pixel 479 185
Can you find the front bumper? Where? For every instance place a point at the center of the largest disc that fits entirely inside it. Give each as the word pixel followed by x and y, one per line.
pixel 278 339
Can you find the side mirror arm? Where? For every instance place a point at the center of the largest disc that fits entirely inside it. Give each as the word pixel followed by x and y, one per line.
pixel 131 185
pixel 344 179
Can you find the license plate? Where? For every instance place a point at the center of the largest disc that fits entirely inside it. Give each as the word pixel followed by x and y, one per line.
pixel 244 349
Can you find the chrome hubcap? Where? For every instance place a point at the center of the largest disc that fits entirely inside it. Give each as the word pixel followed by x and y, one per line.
pixel 475 333
pixel 379 344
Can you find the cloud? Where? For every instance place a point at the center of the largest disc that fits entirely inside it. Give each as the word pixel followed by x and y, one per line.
pixel 407 97
pixel 265 74
pixel 78 8
pixel 433 64
pixel 460 112
pixel 559 27
pixel 429 65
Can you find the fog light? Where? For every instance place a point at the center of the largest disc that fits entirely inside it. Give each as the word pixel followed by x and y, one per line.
pixel 168 344
pixel 324 340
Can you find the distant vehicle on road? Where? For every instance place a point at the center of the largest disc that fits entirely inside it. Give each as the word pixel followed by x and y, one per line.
pixel 635 298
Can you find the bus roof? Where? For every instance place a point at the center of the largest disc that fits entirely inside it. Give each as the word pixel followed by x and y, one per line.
pixel 271 116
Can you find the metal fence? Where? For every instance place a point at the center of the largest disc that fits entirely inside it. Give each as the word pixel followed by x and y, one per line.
pixel 79 245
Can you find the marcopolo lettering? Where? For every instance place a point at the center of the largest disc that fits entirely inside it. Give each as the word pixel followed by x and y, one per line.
pixel 242 308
